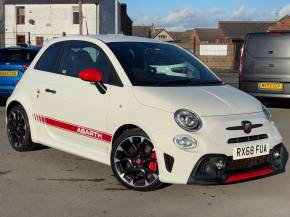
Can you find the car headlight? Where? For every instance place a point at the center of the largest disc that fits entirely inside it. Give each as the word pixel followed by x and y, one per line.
pixel 187 120
pixel 267 112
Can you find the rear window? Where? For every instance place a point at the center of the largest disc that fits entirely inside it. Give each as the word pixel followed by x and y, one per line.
pixel 269 45
pixel 17 56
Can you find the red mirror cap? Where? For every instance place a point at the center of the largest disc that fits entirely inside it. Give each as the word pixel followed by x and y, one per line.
pixel 91 74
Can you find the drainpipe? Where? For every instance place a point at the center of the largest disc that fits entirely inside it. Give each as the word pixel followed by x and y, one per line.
pixel 81 16
pixel 116 17
pixel 98 18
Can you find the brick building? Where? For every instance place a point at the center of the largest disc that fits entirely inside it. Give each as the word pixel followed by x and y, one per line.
pixel 183 39
pixel 282 25
pixel 152 32
pixel 220 48
pixel 216 52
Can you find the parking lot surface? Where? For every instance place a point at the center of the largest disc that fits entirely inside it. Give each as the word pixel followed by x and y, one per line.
pixel 50 183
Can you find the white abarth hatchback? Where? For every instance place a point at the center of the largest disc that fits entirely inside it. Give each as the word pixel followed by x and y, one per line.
pixel 149 109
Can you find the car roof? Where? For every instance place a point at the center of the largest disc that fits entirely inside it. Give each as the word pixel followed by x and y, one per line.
pixel 122 38
pixel 107 38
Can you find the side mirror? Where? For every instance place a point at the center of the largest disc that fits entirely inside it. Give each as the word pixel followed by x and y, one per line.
pixel 91 75
pixel 94 76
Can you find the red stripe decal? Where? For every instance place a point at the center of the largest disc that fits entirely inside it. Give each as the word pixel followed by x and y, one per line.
pixel 249 175
pixel 84 131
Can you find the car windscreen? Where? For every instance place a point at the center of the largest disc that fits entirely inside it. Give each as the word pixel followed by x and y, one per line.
pixel 17 55
pixel 269 45
pixel 160 64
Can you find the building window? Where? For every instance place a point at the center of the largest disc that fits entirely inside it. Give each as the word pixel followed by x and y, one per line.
pixel 20 40
pixel 20 15
pixel 76 15
pixel 162 37
pixel 39 40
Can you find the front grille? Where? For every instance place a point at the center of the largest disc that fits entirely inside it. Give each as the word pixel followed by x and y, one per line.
pixel 247 139
pixel 242 128
pixel 235 166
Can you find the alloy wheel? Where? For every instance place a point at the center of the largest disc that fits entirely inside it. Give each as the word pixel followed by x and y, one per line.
pixel 136 162
pixel 17 128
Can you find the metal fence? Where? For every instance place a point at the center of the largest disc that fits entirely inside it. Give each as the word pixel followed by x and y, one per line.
pixel 9 39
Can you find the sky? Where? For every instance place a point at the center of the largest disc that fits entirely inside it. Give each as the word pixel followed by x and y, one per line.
pixel 180 15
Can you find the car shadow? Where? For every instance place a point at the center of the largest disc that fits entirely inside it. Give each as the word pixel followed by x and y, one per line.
pixel 38 147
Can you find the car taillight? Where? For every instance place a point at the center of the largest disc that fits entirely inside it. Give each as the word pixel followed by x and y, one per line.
pixel 241 62
pixel 24 67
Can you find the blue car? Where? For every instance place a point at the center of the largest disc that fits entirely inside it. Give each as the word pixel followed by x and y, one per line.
pixel 13 63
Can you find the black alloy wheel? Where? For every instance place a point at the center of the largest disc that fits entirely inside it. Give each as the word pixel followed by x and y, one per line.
pixel 134 161
pixel 18 129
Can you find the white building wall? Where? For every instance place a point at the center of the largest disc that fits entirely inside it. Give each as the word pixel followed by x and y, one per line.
pixel 50 21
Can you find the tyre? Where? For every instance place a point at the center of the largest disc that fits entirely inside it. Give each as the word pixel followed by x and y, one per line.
pixel 134 161
pixel 18 130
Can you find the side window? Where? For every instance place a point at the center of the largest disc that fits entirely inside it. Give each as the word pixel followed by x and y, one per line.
pixel 80 55
pixel 49 58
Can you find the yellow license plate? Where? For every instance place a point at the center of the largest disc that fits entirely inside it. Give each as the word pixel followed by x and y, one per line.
pixel 271 86
pixel 9 73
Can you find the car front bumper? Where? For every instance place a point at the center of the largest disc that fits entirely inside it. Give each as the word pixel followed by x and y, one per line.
pixel 206 171
pixel 177 166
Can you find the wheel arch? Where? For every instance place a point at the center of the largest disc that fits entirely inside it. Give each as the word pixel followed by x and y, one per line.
pixel 11 105
pixel 123 128
pixel 27 107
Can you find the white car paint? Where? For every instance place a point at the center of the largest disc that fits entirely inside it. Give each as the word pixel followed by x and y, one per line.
pixel 97 117
pixel 226 99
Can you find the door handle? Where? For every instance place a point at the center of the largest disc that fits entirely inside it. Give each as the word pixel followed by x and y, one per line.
pixel 50 91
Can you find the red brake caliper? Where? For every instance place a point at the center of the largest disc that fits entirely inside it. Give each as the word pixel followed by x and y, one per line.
pixel 153 165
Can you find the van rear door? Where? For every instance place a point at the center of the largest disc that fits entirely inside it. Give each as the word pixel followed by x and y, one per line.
pixel 267 57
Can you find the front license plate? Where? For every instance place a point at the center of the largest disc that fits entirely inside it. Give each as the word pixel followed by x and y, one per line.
pixel 9 73
pixel 271 86
pixel 250 151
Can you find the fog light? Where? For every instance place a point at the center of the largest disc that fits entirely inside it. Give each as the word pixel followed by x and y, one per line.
pixel 276 154
pixel 220 164
pixel 212 168
pixel 184 142
pixel 277 157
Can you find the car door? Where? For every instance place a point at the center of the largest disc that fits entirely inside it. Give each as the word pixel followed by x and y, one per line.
pixel 42 75
pixel 77 112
